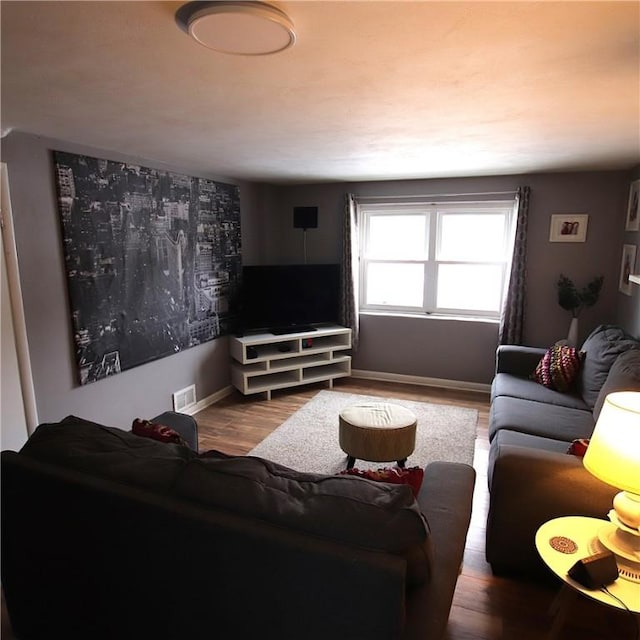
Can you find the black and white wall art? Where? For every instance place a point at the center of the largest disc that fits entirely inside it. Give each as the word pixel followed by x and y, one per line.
pixel 152 261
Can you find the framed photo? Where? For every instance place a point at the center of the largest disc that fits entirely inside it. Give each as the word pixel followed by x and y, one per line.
pixel 627 267
pixel 633 208
pixel 568 227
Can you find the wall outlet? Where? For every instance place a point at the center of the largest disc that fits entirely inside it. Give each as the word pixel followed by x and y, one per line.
pixel 184 398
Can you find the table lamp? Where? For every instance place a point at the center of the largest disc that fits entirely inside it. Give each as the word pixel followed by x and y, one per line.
pixel 613 456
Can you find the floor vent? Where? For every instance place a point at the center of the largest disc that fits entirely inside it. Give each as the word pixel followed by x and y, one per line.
pixel 184 398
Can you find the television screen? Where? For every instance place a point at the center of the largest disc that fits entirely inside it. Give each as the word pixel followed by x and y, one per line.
pixel 288 298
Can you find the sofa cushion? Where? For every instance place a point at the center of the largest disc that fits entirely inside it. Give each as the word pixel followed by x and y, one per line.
pixel 108 452
pixel 367 514
pixel 624 375
pixel 505 384
pixel 601 348
pixel 558 368
pixel 539 419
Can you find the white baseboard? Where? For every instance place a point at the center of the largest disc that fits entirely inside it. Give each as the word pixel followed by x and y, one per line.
pixel 208 401
pixel 458 385
pixel 442 383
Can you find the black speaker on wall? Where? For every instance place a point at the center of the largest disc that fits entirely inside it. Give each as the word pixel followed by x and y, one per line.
pixel 305 217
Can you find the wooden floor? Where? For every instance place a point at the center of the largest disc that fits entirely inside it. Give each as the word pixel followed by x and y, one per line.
pixel 485 607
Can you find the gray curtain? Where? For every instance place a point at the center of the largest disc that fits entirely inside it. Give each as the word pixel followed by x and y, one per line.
pixel 512 318
pixel 350 270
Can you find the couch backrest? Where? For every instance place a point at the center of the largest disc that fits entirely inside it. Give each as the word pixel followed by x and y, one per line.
pixel 624 375
pixel 363 513
pixel 108 452
pixel 341 508
pixel 601 349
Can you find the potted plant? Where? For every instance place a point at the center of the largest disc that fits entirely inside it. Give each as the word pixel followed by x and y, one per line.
pixel 572 299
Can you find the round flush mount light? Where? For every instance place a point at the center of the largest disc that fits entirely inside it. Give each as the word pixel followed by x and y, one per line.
pixel 240 28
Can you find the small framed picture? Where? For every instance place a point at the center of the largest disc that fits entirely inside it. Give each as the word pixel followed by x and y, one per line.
pixel 633 208
pixel 568 227
pixel 627 267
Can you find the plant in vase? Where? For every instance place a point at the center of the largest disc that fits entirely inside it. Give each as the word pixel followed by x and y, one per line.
pixel 572 299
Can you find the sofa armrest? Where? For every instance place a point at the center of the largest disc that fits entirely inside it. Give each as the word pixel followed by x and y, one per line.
pixel 184 424
pixel 528 488
pixel 518 360
pixel 445 498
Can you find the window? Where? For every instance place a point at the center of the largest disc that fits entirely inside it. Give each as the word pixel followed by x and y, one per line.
pixel 447 258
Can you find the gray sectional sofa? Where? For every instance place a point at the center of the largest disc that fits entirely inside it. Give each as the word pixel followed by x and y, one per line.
pixel 109 535
pixel 531 476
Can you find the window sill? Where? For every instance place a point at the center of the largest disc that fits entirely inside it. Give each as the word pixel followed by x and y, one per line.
pixel 429 316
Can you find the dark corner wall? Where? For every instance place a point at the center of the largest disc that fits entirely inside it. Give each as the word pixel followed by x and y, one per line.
pixel 403 346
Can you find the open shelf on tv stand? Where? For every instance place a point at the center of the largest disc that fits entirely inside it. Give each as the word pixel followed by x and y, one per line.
pixel 267 361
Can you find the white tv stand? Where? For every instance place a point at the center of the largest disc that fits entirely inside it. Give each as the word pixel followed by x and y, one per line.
pixel 264 362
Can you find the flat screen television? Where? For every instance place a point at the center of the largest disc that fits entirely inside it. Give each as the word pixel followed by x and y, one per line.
pixel 288 298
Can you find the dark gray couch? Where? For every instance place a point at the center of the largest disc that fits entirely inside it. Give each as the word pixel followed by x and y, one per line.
pixel 531 477
pixel 108 535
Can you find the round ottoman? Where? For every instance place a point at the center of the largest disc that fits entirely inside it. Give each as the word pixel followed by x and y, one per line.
pixel 377 432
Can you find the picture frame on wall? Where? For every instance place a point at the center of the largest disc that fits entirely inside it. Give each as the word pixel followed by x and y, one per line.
pixel 568 227
pixel 627 267
pixel 633 207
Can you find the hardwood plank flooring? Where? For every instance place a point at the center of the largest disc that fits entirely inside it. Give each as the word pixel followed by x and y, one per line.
pixel 485 607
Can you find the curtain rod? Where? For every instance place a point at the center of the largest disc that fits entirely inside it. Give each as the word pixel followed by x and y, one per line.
pixel 438 195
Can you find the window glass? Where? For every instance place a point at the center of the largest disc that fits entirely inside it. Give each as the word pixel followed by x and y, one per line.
pixel 469 286
pixel 400 285
pixel 471 237
pixel 396 236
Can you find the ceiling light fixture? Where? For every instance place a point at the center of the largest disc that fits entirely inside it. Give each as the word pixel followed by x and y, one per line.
pixel 240 28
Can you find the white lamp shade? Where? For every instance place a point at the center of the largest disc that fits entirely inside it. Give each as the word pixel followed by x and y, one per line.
pixel 613 454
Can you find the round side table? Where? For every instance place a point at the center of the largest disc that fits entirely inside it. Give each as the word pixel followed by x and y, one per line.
pixel 573 538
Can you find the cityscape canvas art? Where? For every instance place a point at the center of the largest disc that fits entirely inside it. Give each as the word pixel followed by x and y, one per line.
pixel 153 261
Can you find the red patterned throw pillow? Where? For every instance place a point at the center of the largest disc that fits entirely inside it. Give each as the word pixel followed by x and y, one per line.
pixel 558 368
pixel 156 431
pixel 411 476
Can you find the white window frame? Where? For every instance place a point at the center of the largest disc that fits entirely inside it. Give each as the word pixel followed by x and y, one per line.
pixel 434 212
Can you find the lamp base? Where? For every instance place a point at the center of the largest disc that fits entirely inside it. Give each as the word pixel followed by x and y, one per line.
pixel 625 546
pixel 627 508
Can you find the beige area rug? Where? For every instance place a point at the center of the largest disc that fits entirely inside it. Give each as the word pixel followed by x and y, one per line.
pixel 308 440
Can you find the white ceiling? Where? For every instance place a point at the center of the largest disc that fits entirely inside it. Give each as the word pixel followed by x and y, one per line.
pixel 371 90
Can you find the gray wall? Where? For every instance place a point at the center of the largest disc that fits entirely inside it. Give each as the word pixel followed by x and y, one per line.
pixel 440 348
pixel 629 307
pixel 140 392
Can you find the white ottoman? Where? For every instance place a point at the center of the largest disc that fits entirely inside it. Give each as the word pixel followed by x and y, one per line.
pixel 377 432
